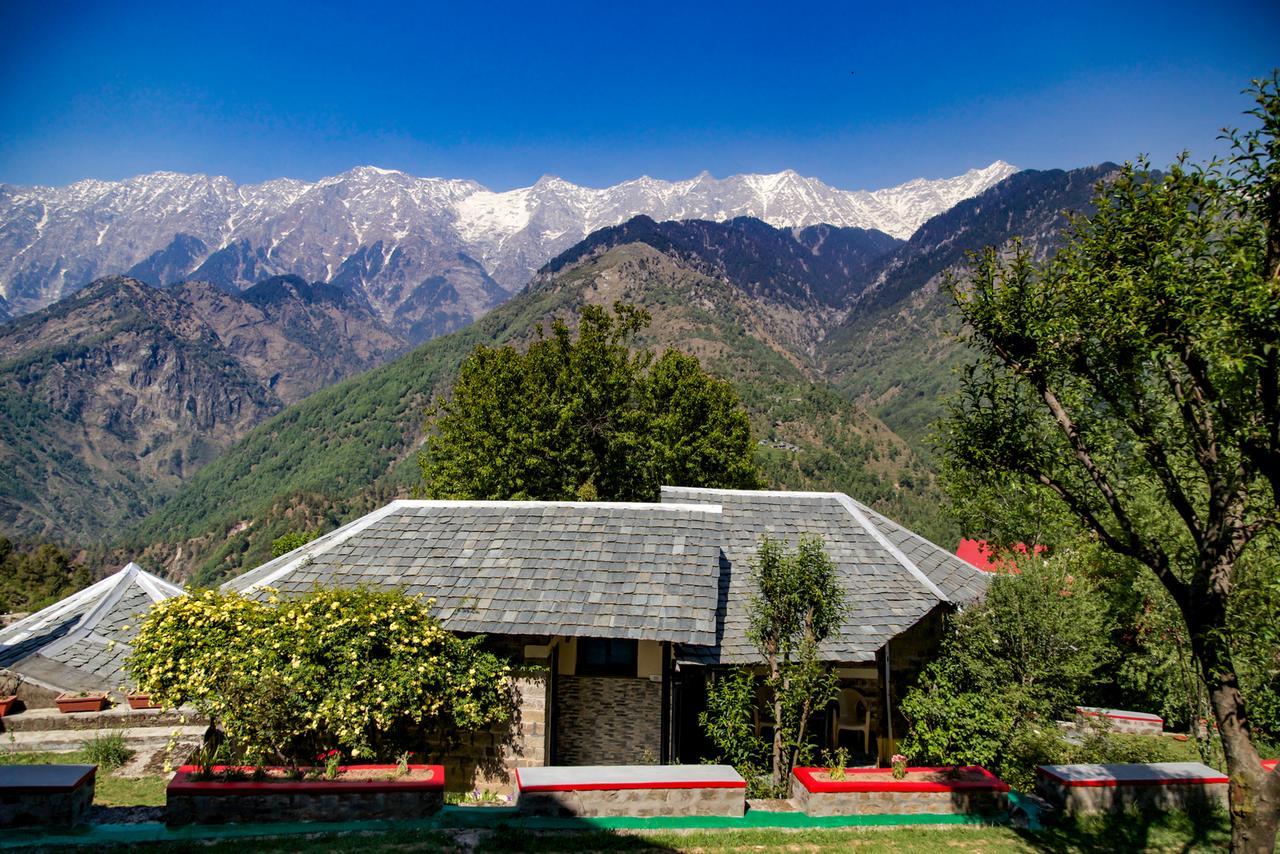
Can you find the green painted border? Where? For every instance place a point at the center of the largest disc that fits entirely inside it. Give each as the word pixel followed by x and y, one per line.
pixel 464 817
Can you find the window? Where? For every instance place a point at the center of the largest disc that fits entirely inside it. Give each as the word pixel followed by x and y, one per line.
pixel 601 657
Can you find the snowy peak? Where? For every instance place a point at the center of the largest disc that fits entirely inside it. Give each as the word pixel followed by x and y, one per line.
pixel 390 234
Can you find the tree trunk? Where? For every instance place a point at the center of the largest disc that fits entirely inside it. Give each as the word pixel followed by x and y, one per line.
pixel 1254 793
pixel 777 719
pixel 777 735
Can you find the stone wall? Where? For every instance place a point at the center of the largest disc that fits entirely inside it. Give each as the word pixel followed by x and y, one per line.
pixel 46 808
pixel 897 803
pixel 484 760
pixel 1080 800
pixel 187 808
pixel 607 721
pixel 641 803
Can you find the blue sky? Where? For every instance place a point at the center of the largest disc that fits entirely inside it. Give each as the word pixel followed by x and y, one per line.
pixel 858 95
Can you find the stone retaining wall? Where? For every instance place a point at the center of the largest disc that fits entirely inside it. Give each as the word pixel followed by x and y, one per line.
pixel 190 801
pixel 283 806
pixel 639 803
pixel 1081 800
pixel 897 803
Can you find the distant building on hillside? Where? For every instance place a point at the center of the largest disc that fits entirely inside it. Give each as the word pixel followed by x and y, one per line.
pixel 80 642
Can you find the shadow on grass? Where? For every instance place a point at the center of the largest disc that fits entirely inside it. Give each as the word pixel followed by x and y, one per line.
pixel 511 838
pixel 1134 830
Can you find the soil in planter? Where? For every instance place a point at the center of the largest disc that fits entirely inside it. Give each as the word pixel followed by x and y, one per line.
pixel 352 774
pixel 943 777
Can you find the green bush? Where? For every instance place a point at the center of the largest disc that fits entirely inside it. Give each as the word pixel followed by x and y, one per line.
pixel 107 750
pixel 366 672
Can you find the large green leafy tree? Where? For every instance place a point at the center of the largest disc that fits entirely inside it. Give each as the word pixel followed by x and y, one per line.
pixel 587 417
pixel 1009 666
pixel 1134 377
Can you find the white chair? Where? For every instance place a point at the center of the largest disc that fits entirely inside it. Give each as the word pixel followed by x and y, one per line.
pixel 854 716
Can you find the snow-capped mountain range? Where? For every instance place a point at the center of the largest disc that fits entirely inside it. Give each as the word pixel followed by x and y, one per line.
pixel 429 253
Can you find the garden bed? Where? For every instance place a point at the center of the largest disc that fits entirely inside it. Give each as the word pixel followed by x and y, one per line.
pixel 1152 786
pixel 237 794
pixel 875 791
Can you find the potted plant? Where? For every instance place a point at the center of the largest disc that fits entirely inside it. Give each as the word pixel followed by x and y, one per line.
pixel 81 701
pixel 140 700
pixel 8 693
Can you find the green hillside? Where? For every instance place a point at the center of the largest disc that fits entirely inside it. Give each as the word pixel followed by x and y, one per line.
pixel 351 447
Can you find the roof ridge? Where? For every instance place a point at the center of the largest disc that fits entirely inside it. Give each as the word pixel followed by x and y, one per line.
pixel 950 554
pixel 768 493
pixel 123 579
pixel 320 545
pixel 94 590
pixel 585 505
pixel 897 553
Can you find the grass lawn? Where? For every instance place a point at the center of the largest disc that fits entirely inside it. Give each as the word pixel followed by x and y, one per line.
pixel 1172 833
pixel 109 790
pixel 1176 832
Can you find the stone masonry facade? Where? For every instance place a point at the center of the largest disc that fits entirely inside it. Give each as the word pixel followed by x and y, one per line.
pixel 607 721
pixel 484 760
pixel 897 803
pixel 183 809
pixel 1080 800
pixel 639 803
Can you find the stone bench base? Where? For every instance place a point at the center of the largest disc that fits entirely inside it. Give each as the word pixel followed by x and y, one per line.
pixel 49 795
pixel 640 791
pixel 1153 787
pixel 1121 720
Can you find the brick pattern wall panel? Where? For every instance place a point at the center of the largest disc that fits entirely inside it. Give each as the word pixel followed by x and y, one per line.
pixel 603 721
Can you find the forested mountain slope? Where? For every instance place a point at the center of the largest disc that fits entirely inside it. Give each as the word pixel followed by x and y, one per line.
pixel 108 400
pixel 349 447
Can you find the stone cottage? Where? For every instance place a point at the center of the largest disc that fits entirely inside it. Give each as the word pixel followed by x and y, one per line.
pixel 617 613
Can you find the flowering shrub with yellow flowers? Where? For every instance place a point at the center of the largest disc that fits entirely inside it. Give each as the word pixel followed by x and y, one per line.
pixel 366 672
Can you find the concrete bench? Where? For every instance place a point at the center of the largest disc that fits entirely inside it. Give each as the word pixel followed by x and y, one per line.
pixel 51 795
pixel 631 790
pixel 1122 720
pixel 1078 789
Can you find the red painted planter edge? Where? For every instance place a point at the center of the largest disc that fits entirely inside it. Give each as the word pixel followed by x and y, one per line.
pixel 182 784
pixel 989 782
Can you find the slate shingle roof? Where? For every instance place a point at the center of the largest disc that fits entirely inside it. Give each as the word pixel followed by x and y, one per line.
pixel 677 571
pixel 892 577
pixel 80 643
pixel 642 571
